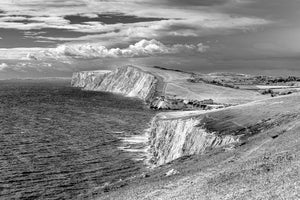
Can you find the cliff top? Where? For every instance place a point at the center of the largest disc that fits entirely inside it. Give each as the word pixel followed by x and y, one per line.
pixel 224 88
pixel 176 84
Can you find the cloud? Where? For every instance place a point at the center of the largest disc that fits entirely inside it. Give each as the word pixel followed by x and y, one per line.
pixel 27 66
pixel 110 35
pixel 33 66
pixel 195 2
pixel 17 53
pixel 3 66
pixel 143 48
pixel 199 18
pixel 202 20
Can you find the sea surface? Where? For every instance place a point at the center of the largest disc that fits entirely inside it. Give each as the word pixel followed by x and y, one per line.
pixel 58 142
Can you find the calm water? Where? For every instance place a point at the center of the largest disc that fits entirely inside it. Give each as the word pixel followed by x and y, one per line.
pixel 57 142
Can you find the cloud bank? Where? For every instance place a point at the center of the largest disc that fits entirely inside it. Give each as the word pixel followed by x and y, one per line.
pixel 143 48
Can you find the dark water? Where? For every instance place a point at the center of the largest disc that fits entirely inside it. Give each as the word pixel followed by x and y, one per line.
pixel 57 142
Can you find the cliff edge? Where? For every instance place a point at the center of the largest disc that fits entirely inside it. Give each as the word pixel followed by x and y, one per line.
pixel 128 81
pixel 171 139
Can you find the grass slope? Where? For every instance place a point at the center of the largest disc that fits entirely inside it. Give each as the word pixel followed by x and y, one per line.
pixel 265 165
pixel 176 84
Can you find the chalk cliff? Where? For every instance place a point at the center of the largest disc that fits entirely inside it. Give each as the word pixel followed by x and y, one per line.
pixel 88 79
pixel 170 138
pixel 173 138
pixel 128 81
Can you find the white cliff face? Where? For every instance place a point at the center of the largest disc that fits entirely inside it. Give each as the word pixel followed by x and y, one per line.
pixel 88 79
pixel 128 81
pixel 173 138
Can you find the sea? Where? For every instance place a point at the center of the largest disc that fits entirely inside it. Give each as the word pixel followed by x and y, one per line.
pixel 59 142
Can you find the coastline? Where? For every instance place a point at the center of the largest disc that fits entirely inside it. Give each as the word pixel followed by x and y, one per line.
pixel 184 143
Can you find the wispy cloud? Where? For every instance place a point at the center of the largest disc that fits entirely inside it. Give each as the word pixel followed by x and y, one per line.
pixel 17 53
pixel 110 35
pixel 178 18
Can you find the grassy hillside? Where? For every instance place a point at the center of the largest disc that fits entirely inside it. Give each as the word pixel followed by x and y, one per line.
pixel 235 80
pixel 265 165
pixel 176 84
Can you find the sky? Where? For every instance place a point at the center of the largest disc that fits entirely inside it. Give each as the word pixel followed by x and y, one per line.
pixel 58 37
